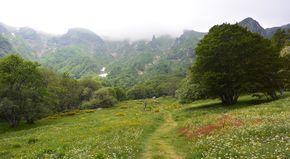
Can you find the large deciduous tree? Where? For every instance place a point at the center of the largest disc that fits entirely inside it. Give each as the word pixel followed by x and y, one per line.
pixel 231 61
pixel 281 42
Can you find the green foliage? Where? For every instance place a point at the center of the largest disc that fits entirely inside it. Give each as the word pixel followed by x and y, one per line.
pixel 22 89
pixel 5 46
pixel 103 97
pixel 280 39
pixel 155 58
pixel 226 65
pixel 90 104
pixel 189 92
pixel 140 92
pixel 15 45
pixel 29 92
pixel 124 73
pixel 184 46
pixel 106 95
pixel 64 92
pixel 22 48
pixel 10 111
pixel 75 60
pixel 89 86
pixel 120 94
pixel 158 86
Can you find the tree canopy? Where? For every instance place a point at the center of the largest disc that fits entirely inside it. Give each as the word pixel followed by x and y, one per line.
pixel 29 92
pixel 231 61
pixel 22 89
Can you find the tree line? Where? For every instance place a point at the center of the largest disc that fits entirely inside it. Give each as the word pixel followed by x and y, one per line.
pixel 29 92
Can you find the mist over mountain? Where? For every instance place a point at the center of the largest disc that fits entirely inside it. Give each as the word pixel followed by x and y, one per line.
pixel 82 52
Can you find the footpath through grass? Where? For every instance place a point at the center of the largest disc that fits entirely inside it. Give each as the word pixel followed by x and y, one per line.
pixel 203 129
pixel 108 133
pixel 157 147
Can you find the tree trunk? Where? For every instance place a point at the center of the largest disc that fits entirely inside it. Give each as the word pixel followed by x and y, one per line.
pixel 13 122
pixel 273 95
pixel 30 121
pixel 229 98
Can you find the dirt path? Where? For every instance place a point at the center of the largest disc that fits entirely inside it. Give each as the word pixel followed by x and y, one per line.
pixel 157 146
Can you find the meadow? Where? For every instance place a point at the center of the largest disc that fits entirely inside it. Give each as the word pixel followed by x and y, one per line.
pixel 254 128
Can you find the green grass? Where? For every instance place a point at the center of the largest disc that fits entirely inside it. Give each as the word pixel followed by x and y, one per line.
pixel 100 134
pixel 203 129
pixel 250 129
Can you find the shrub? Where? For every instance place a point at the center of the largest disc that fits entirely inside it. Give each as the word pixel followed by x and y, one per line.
pixel 120 93
pixel 106 97
pixel 91 104
pixel 189 92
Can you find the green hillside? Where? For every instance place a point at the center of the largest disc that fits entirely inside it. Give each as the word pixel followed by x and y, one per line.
pixel 204 129
pixel 220 95
pixel 75 60
pixel 5 47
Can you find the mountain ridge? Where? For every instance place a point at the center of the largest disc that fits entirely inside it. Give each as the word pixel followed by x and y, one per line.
pixel 68 52
pixel 254 26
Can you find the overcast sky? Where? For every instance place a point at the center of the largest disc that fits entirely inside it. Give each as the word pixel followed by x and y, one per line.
pixel 133 19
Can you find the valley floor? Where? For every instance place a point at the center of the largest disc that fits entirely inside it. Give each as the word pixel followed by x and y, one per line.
pixel 203 129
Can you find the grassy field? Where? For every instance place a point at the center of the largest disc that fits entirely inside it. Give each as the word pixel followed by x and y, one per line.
pixel 203 129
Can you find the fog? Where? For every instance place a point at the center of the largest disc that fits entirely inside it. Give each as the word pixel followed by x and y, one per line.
pixel 139 19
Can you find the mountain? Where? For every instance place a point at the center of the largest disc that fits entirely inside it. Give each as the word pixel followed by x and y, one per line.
pixel 25 41
pixel 184 45
pixel 162 56
pixel 82 37
pixel 254 26
pixel 5 46
pixel 82 53
pixel 271 31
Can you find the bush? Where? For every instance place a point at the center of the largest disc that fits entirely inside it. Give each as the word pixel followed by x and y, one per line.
pixel 120 94
pixel 91 104
pixel 140 92
pixel 155 87
pixel 189 92
pixel 104 97
pixel 107 96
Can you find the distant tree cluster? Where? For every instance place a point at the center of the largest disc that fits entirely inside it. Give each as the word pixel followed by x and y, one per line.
pixel 29 92
pixel 232 61
pixel 155 87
